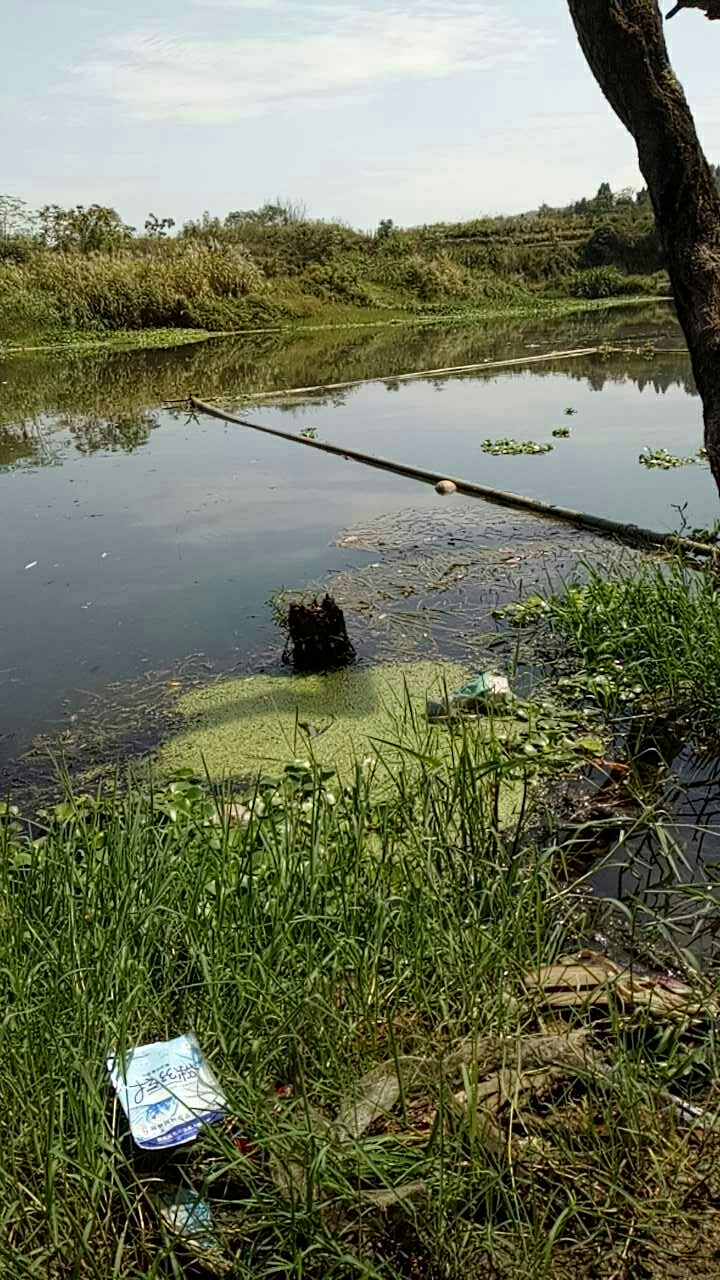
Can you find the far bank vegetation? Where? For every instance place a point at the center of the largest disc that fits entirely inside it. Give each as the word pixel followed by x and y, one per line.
pixel 85 270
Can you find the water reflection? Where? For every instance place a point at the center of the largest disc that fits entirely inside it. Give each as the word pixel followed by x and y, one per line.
pixel 665 867
pixel 101 401
pixel 125 433
pixel 137 536
pixel 16 448
pixel 660 373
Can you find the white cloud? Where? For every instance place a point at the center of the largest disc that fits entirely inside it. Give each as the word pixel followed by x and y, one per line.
pixel 318 52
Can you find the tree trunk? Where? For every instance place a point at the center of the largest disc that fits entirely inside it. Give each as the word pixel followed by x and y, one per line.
pixel 624 44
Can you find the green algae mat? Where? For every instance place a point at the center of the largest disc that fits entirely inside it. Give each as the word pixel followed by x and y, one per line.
pixel 255 725
pixel 240 729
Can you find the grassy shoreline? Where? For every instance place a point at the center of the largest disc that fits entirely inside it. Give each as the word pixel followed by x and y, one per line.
pixel 345 952
pixel 85 272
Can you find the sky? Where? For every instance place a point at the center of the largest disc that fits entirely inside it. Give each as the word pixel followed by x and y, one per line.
pixel 415 110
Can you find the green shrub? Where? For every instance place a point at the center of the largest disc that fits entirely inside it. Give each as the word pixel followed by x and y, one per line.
pixel 16 249
pixel 336 281
pixel 428 279
pixel 638 285
pixel 192 287
pixel 24 309
pixel 598 282
pixel 627 247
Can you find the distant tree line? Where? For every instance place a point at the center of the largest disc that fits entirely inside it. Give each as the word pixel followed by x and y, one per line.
pixel 100 228
pixel 607 201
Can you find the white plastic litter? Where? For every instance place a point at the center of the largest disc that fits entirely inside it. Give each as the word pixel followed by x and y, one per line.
pixel 167 1091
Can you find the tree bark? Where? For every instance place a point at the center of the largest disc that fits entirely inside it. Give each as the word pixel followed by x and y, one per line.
pixel 624 44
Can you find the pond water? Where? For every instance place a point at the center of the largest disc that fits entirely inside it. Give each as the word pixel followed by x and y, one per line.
pixel 133 536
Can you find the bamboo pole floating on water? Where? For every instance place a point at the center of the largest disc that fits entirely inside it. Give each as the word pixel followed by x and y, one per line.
pixel 447 371
pixel 632 534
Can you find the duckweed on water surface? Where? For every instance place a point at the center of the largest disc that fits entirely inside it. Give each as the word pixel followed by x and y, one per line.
pixel 249 728
pixel 255 724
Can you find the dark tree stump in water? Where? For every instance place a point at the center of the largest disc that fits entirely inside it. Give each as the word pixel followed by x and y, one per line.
pixel 317 637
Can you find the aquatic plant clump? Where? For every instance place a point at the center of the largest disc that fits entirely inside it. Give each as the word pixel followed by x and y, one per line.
pixel 663 460
pixel 526 612
pixel 562 433
pixel 653 635
pixel 507 447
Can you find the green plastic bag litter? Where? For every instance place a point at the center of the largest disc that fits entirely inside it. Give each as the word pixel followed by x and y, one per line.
pixel 486 692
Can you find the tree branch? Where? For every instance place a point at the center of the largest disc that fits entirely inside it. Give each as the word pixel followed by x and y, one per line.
pixel 711 8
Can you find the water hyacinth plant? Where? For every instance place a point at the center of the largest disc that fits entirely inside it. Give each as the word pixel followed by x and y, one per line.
pixel 509 447
pixel 663 460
